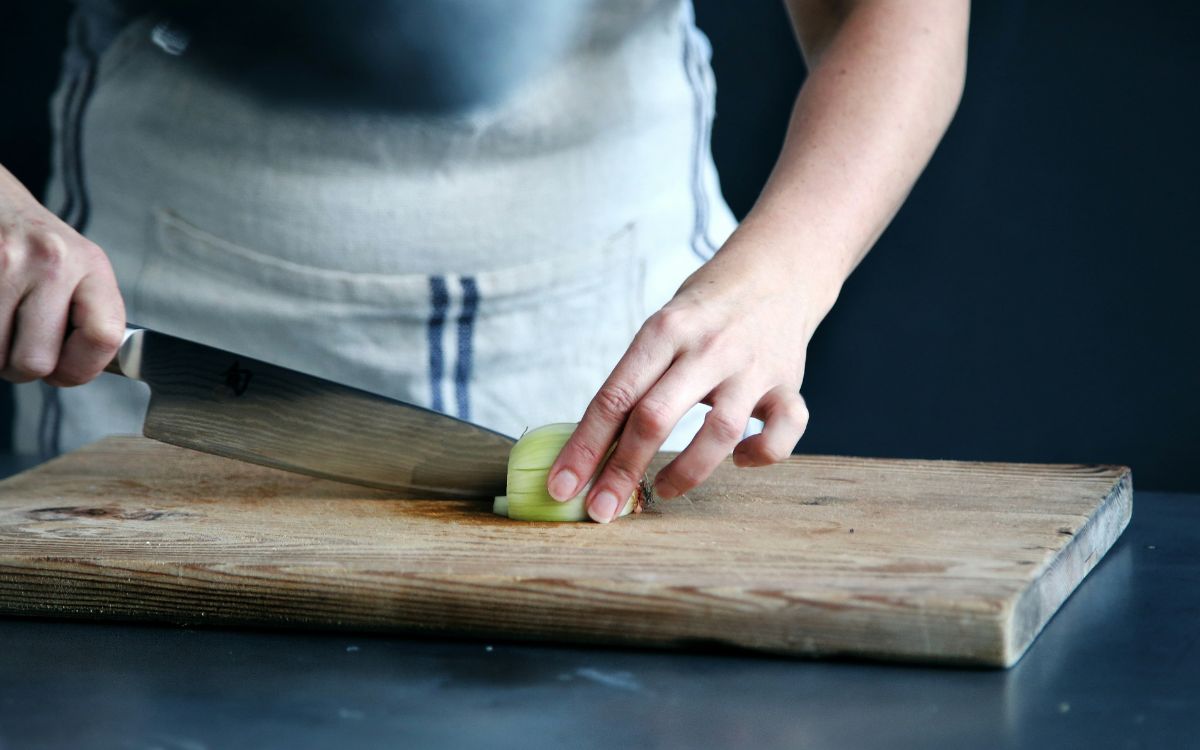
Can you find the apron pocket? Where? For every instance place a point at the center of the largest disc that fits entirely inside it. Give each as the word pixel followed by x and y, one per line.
pixel 509 348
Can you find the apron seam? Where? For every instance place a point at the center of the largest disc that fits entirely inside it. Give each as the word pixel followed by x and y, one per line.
pixel 76 209
pixel 693 63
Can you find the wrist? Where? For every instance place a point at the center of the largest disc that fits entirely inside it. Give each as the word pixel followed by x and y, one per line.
pixel 786 269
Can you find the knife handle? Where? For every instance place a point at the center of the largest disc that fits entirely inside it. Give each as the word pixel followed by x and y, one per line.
pixel 128 360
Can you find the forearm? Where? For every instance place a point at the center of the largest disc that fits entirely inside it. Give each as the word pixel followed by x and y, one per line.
pixel 884 81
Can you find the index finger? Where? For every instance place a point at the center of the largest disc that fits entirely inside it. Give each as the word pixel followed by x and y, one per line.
pixel 639 369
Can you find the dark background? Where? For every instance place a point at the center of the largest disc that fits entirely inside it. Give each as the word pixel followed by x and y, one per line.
pixel 1035 300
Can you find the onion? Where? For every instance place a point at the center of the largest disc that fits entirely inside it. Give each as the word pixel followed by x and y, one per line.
pixel 529 463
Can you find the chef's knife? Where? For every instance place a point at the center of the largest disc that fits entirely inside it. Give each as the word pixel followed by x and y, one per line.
pixel 234 406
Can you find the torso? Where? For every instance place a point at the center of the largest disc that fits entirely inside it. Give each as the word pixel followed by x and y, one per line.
pixel 462 258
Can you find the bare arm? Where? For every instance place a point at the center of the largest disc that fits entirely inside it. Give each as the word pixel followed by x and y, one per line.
pixel 885 77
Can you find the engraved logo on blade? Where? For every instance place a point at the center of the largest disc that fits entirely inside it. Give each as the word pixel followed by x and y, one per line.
pixel 237 378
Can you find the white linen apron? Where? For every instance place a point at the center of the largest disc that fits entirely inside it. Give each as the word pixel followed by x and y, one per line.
pixel 493 264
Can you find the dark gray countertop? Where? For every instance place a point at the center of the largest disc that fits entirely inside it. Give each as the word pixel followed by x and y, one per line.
pixel 1118 666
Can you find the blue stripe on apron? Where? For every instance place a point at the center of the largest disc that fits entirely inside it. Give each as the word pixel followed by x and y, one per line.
pixel 466 333
pixel 464 349
pixel 439 296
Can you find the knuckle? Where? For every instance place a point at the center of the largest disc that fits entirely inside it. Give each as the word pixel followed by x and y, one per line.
pixel 771 454
pixel 95 259
pixel 48 250
pixel 91 250
pixel 669 322
pixel 613 401
pixel 796 412
pixel 725 428
pixel 650 420
pixel 686 476
pixel 584 451
pixel 102 339
pixel 623 472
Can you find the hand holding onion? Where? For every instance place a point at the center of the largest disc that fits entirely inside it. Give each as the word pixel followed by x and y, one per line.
pixel 734 338
pixel 868 117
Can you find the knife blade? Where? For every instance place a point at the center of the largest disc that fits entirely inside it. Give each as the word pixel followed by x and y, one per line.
pixel 238 407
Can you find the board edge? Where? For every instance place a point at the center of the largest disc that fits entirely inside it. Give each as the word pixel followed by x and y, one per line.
pixel 1037 604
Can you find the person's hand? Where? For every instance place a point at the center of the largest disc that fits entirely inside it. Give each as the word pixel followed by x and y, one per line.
pixel 61 314
pixel 733 337
pixel 869 115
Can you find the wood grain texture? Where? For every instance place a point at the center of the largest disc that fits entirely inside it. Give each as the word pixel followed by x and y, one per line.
pixel 914 560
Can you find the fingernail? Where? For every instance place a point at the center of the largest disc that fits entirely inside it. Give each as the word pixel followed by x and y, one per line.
pixel 665 490
pixel 603 507
pixel 562 485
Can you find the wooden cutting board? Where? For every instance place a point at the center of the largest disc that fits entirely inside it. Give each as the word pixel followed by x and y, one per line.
pixel 915 560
